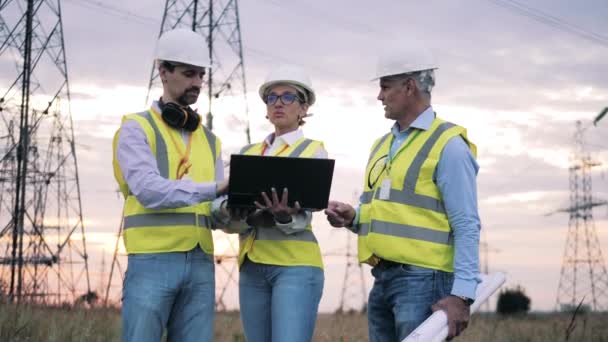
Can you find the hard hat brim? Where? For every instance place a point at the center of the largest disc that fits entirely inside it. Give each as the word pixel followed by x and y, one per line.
pixel 401 73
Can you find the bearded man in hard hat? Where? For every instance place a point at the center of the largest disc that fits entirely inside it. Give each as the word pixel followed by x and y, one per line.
pixel 169 168
pixel 281 270
pixel 417 219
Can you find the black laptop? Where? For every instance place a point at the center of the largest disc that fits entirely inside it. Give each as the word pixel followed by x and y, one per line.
pixel 308 180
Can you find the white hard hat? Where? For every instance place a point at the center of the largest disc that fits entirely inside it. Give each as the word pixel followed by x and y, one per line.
pixel 289 74
pixel 182 45
pixel 403 61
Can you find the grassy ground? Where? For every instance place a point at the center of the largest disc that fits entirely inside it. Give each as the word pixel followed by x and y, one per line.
pixel 64 324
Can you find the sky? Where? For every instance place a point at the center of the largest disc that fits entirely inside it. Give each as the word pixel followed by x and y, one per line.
pixel 516 83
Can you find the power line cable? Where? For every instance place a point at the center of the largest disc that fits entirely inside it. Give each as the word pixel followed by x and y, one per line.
pixel 551 21
pixel 115 11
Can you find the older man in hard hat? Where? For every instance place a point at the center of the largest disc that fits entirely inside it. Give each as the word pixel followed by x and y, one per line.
pixel 169 168
pixel 417 220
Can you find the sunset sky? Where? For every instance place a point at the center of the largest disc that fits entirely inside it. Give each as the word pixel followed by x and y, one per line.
pixel 517 84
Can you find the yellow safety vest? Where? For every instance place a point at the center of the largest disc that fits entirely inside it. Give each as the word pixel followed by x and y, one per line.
pixel 411 226
pixel 175 229
pixel 270 245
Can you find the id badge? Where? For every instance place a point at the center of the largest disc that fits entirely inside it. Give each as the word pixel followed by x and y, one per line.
pixel 385 189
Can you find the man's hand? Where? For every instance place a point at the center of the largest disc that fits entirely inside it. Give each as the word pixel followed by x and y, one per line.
pixel 235 213
pixel 340 214
pixel 222 188
pixel 458 313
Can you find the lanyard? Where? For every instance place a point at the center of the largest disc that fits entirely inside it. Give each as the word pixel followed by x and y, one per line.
pixel 274 154
pixel 184 165
pixel 408 141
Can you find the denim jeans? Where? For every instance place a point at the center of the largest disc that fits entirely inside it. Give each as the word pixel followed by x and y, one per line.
pixel 279 303
pixel 401 299
pixel 173 290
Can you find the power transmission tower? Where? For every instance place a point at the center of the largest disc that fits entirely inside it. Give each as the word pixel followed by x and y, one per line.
pixel 115 264
pixel 353 296
pixel 42 235
pixel 583 272
pixel 102 273
pixel 218 21
pixel 484 261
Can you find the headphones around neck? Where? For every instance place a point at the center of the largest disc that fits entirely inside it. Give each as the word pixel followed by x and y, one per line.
pixel 179 117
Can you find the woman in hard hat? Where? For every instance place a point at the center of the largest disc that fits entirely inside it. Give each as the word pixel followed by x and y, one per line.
pixel 281 271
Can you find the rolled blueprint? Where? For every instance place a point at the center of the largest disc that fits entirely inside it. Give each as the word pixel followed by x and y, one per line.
pixel 435 328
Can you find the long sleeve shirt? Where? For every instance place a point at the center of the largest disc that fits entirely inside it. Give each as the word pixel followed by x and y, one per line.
pixel 301 220
pixel 140 171
pixel 455 177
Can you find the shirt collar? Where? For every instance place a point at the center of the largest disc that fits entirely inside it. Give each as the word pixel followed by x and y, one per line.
pixel 156 106
pixel 422 122
pixel 287 138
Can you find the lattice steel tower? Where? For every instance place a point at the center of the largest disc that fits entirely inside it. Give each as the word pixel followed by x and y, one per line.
pixel 217 21
pixel 353 296
pixel 43 256
pixel 583 272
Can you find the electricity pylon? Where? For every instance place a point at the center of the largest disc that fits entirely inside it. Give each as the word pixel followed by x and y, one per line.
pixel 583 275
pixel 43 256
pixel 353 296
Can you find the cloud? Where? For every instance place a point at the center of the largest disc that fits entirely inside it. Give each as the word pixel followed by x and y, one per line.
pixel 517 85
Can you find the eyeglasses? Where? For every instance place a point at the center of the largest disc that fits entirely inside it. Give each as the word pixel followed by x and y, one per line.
pixel 286 99
pixel 376 171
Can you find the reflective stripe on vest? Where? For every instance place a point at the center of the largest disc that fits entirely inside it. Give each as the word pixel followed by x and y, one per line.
pixel 301 147
pixel 377 147
pixel 171 229
pixel 161 148
pixel 246 148
pixel 410 224
pixel 407 231
pixel 407 194
pixel 211 139
pixel 294 154
pixel 269 245
pixel 277 235
pixel 166 219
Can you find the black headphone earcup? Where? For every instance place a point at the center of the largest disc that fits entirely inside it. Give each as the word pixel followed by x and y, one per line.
pixel 193 121
pixel 173 115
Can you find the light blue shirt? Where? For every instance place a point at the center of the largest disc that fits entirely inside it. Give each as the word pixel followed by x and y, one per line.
pixel 139 169
pixel 456 179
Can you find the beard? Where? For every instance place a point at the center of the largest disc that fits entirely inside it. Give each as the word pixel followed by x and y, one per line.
pixel 188 97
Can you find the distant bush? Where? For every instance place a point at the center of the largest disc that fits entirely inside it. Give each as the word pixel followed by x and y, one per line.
pixel 512 302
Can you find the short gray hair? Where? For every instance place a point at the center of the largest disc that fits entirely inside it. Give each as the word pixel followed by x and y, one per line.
pixel 425 79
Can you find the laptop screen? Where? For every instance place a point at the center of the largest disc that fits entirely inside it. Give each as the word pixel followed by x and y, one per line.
pixel 308 180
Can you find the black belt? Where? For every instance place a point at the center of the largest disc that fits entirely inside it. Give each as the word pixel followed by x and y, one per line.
pixel 384 264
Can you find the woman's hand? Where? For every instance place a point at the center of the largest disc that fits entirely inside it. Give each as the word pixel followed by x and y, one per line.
pixel 278 208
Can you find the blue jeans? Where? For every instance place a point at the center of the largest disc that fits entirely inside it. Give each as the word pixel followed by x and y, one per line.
pixel 173 290
pixel 279 303
pixel 401 299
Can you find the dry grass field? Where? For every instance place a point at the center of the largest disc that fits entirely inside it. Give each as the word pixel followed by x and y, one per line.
pixel 64 324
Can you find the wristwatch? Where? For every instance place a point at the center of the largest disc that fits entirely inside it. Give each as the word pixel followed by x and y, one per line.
pixel 468 301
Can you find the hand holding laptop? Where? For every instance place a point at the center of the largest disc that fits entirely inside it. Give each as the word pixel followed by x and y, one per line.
pixel 253 177
pixel 281 211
